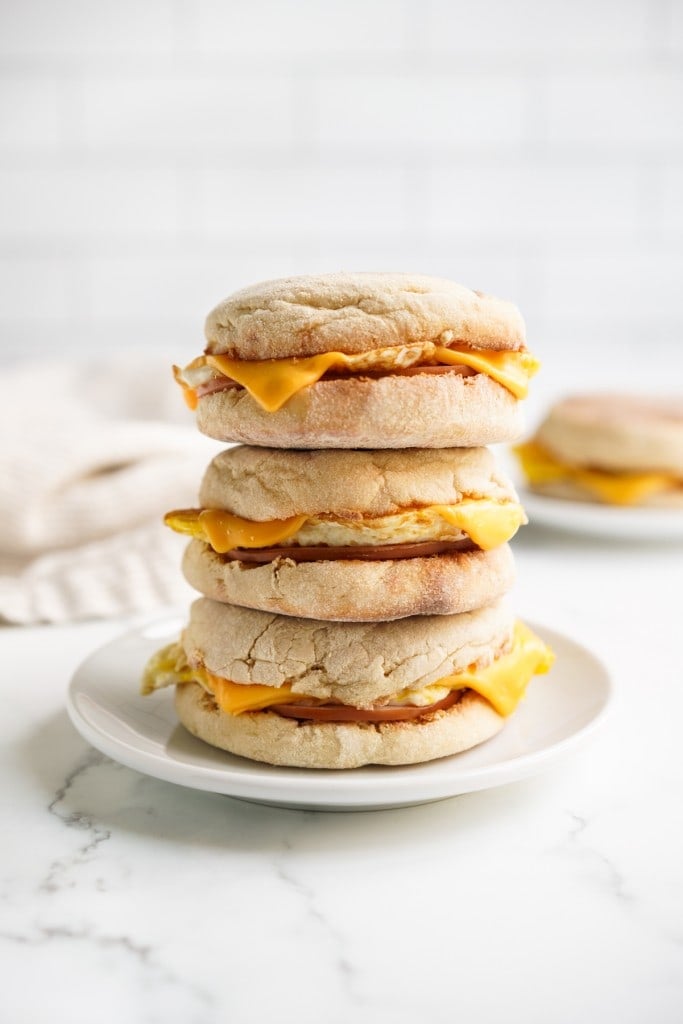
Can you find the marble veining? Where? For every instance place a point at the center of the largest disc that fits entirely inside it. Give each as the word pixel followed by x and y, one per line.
pixel 53 933
pixel 142 957
pixel 602 868
pixel 321 924
pixel 94 833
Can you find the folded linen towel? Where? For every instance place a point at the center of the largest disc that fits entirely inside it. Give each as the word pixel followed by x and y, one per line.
pixel 92 456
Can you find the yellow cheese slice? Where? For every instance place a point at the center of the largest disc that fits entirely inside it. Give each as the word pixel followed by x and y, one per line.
pixel 272 382
pixel 488 523
pixel 224 531
pixel 236 698
pixel 513 370
pixel 540 467
pixel 169 667
pixel 502 683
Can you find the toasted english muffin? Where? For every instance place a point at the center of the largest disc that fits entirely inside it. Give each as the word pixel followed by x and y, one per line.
pixel 361 361
pixel 612 448
pixel 352 535
pixel 339 695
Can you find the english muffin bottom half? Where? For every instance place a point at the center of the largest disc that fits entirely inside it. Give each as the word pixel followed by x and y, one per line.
pixel 361 361
pixel 294 692
pixel 352 535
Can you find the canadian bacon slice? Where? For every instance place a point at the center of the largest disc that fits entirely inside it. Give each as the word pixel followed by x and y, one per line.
pixel 362 552
pixel 346 713
pixel 223 383
pixel 216 384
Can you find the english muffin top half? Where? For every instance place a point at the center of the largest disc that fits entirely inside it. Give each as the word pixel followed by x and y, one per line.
pixel 354 313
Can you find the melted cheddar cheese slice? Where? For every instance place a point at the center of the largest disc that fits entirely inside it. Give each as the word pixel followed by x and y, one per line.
pixel 540 467
pixel 488 523
pixel 169 667
pixel 224 531
pixel 502 683
pixel 272 382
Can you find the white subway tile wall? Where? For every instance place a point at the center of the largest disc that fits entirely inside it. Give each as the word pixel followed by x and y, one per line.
pixel 155 156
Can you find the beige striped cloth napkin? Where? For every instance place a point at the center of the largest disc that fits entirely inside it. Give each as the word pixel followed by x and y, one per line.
pixel 92 455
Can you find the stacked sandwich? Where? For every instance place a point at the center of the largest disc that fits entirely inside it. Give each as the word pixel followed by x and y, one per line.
pixel 352 550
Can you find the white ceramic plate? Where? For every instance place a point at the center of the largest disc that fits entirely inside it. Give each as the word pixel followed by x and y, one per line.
pixel 651 524
pixel 104 704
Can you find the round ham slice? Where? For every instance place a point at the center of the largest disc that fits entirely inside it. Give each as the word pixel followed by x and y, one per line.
pixel 222 383
pixel 364 552
pixel 345 713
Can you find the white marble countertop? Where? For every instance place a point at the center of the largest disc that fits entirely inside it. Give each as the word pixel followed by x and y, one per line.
pixel 556 899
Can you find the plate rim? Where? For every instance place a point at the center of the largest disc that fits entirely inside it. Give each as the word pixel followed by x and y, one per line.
pixel 324 788
pixel 657 525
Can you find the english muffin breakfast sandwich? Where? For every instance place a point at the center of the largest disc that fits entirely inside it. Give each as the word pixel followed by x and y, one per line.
pixel 361 360
pixel 352 535
pixel 297 692
pixel 616 449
